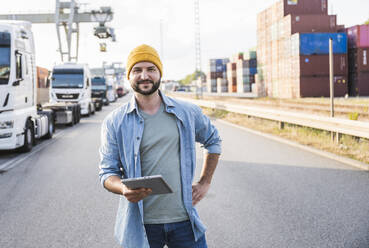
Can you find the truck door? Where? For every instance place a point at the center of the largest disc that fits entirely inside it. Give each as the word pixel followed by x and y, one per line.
pixel 89 86
pixel 28 81
pixel 19 85
pixel 24 89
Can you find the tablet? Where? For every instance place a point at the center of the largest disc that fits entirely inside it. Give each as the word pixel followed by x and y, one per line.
pixel 156 183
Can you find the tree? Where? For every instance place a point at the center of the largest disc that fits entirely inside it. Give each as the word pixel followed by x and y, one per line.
pixel 191 77
pixel 367 22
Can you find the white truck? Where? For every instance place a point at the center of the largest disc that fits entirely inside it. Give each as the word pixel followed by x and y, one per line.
pixel 71 83
pixel 22 119
pixel 111 91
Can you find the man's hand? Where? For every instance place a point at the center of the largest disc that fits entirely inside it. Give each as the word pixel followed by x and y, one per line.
pixel 114 184
pixel 199 191
pixel 135 195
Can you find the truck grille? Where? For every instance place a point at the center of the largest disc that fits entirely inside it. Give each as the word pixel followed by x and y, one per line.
pixel 98 94
pixel 67 96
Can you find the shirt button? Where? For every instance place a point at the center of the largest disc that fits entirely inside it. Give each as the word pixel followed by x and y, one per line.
pixel 138 138
pixel 135 154
pixel 141 122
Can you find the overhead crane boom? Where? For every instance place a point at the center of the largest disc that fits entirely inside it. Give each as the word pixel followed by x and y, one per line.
pixel 67 17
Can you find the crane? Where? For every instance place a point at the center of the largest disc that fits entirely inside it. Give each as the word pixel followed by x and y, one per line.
pixel 67 19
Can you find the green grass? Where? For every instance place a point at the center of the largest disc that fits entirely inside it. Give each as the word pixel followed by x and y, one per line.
pixel 353 116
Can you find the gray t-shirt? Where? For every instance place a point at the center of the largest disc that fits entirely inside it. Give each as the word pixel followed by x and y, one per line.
pixel 159 153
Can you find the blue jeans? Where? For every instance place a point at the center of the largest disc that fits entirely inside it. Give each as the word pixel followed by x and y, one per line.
pixel 174 235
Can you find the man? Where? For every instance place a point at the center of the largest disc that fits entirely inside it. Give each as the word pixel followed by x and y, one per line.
pixel 155 135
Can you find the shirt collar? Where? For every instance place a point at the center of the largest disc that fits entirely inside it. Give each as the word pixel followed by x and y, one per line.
pixel 133 103
pixel 167 101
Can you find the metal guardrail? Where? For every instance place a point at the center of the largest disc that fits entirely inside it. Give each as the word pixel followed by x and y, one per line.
pixel 248 95
pixel 335 125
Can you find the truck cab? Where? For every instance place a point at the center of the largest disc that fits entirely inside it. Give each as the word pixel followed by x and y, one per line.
pixel 99 89
pixel 71 82
pixel 20 122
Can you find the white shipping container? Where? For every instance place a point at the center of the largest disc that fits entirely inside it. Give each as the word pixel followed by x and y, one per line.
pixel 239 86
pixel 222 89
pixel 247 88
pixel 211 82
pixel 211 68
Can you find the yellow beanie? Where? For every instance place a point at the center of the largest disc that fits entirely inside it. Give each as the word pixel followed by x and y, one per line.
pixel 143 53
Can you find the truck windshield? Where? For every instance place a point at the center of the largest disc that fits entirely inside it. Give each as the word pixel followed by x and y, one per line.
pixel 98 84
pixel 4 57
pixel 67 78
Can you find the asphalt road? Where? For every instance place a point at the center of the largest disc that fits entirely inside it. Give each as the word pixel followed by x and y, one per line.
pixel 264 194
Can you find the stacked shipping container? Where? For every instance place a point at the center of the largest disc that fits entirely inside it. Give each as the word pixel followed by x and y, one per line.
pixel 241 72
pixel 293 60
pixel 358 40
pixel 217 68
pixel 232 76
pixel 310 63
pixel 246 70
pixel 222 85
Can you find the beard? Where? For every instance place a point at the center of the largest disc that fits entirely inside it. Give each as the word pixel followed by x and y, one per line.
pixel 154 87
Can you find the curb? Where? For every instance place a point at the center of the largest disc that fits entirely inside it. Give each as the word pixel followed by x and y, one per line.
pixel 344 160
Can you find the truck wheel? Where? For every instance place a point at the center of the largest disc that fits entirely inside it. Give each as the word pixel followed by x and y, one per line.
pixel 78 113
pixel 93 112
pixel 75 115
pixel 51 129
pixel 89 110
pixel 29 137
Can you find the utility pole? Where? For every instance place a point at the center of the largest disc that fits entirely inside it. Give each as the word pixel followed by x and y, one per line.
pixel 331 87
pixel 161 40
pixel 331 76
pixel 198 42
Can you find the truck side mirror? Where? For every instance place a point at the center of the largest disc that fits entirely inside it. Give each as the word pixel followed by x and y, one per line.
pixel 18 68
pixel 17 82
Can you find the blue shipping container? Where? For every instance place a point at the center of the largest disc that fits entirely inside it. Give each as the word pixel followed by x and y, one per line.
pixel 253 70
pixel 318 43
pixel 219 62
pixel 252 63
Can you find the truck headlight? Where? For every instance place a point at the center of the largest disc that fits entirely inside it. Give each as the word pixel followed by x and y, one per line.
pixel 6 124
pixel 5 135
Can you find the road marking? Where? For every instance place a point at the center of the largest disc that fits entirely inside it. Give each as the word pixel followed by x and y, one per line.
pixel 15 161
pixel 92 121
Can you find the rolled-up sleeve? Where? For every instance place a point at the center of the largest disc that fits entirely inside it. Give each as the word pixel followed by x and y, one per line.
pixel 110 164
pixel 206 133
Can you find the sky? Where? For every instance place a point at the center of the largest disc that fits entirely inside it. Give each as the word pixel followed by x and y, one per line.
pixel 227 27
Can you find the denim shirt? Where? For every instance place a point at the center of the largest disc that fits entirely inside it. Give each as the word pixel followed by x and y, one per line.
pixel 119 156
